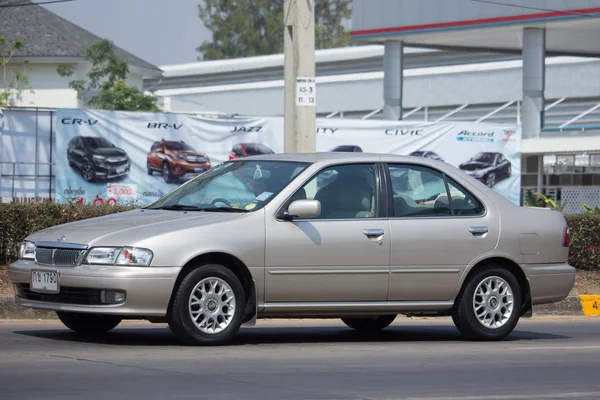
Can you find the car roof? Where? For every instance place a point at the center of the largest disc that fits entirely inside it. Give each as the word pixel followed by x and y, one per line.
pixel 327 157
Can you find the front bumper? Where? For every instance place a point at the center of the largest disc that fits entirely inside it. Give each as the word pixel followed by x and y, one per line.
pixel 549 283
pixel 148 289
pixel 110 171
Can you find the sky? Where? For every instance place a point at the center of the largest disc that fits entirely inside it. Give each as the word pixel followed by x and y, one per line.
pixel 162 32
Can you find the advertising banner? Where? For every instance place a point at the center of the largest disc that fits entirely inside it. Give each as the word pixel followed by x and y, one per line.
pixel 107 157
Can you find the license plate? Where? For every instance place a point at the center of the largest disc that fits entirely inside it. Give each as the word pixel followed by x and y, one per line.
pixel 120 170
pixel 198 169
pixel 44 282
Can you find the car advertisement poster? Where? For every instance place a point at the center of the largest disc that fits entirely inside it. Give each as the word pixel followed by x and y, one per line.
pixel 112 157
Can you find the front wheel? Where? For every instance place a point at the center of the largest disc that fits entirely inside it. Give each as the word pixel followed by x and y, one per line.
pixel 208 306
pixel 488 308
pixel 369 325
pixel 88 323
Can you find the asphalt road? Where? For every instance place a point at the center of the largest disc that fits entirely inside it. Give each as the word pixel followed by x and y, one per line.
pixel 549 358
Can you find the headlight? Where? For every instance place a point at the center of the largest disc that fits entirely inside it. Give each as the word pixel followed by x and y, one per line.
pixel 99 158
pixel 27 251
pixel 178 155
pixel 118 256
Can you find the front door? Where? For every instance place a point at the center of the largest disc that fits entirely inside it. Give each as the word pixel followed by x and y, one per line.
pixel 342 255
pixel 438 228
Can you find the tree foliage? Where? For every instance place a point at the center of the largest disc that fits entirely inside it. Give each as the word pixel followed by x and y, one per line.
pixel 106 85
pixel 245 28
pixel 14 80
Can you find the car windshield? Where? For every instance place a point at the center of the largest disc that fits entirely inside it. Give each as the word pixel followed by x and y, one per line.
pixel 485 157
pixel 179 146
pixel 234 186
pixel 96 142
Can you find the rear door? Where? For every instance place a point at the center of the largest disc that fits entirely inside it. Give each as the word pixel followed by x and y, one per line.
pixel 438 228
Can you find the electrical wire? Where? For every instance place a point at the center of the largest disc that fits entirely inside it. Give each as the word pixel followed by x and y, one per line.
pixel 497 3
pixel 35 4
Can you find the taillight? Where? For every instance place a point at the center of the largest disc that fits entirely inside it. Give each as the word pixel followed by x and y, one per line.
pixel 567 237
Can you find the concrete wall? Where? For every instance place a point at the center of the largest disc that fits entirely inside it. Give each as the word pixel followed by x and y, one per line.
pixel 437 86
pixel 375 14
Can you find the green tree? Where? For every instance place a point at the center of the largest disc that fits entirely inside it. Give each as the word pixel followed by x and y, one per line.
pixel 14 80
pixel 245 28
pixel 106 82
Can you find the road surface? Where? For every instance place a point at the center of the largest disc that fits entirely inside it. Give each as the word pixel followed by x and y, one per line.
pixel 545 358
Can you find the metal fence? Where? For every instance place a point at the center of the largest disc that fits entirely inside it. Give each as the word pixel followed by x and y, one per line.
pixel 27 167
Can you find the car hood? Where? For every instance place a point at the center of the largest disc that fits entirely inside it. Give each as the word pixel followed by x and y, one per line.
pixel 190 153
pixel 129 228
pixel 109 151
pixel 474 165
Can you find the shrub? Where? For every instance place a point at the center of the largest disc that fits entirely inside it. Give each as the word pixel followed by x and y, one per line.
pixel 18 220
pixel 585 241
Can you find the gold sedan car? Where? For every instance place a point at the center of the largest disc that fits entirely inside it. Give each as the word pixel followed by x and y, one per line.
pixel 338 235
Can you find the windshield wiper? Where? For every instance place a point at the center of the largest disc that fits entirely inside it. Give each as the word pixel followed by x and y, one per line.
pixel 178 207
pixel 183 207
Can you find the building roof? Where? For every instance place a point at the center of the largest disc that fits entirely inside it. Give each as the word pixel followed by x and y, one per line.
pixel 562 145
pixel 46 35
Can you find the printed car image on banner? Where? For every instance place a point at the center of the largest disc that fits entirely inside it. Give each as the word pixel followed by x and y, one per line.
pixel 107 157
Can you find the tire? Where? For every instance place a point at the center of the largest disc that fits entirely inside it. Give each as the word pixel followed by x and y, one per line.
pixel 88 323
pixel 370 325
pixel 148 168
pixel 490 180
pixel 181 313
pixel 87 172
pixel 464 314
pixel 166 172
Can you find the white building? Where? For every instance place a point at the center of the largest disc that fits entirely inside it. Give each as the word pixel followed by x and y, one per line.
pixel 49 41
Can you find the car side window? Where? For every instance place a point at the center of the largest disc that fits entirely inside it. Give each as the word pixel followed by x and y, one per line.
pixel 418 191
pixel 344 191
pixel 463 202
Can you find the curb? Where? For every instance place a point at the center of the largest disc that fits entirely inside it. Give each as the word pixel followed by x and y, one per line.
pixel 584 305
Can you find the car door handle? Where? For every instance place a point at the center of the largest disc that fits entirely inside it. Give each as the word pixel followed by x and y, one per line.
pixel 478 230
pixel 373 233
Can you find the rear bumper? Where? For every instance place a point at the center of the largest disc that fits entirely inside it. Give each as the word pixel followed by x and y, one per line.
pixel 549 283
pixel 148 289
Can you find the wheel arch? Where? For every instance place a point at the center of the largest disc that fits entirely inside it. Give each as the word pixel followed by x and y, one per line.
pixel 512 267
pixel 231 262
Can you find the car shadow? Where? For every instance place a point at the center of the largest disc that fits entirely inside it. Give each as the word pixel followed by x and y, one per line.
pixel 265 335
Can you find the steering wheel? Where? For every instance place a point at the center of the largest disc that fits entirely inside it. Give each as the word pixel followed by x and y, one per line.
pixel 221 200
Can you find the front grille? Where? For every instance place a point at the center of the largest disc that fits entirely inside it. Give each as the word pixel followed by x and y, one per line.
pixel 114 160
pixel 53 256
pixel 194 159
pixel 67 295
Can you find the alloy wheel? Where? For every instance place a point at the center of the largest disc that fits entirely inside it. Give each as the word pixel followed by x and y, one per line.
pixel 493 302
pixel 491 180
pixel 212 305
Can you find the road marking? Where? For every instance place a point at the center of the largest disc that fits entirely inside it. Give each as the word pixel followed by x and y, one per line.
pixel 559 348
pixel 574 395
pixel 590 305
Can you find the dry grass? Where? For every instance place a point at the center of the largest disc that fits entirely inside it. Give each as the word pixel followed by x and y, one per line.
pixel 587 282
pixel 5 286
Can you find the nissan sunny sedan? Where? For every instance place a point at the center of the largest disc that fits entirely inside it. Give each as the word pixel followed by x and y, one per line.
pixel 336 235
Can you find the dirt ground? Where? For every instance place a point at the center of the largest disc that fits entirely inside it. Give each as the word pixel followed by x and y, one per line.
pixel 587 282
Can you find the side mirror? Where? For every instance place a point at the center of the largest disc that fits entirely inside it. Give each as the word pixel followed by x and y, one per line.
pixel 303 209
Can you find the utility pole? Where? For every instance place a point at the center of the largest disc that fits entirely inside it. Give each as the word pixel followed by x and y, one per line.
pixel 299 74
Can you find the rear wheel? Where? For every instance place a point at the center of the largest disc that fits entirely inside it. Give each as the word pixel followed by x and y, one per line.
pixel 488 308
pixel 208 307
pixel 88 323
pixel 369 324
